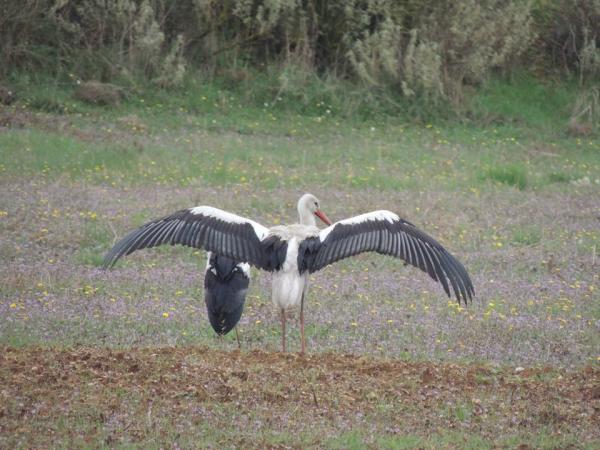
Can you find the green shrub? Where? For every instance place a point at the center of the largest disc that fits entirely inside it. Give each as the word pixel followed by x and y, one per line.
pixel 420 44
pixel 512 175
pixel 569 35
pixel 448 44
pixel 429 52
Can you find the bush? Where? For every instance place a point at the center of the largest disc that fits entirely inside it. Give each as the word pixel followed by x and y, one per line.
pixel 428 51
pixel 569 36
pixel 449 44
pixel 96 39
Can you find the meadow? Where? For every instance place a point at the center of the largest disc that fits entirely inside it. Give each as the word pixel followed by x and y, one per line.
pixel 126 357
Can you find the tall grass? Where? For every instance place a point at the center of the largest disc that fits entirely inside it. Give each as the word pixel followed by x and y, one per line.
pixel 520 101
pixel 512 175
pixel 523 100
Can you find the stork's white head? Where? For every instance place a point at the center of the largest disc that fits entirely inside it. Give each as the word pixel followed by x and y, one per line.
pixel 308 208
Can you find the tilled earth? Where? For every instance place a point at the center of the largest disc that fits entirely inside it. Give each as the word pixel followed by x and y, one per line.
pixel 182 396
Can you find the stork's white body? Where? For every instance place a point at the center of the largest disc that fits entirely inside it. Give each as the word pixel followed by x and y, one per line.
pixel 288 288
pixel 288 283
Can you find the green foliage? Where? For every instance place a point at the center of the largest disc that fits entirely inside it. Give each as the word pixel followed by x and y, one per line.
pixel 449 440
pixel 447 44
pixel 426 52
pixel 95 39
pixel 526 235
pixel 524 100
pixel 571 37
pixel 349 440
pixel 561 177
pixel 34 152
pixel 512 175
pixel 415 58
pixel 224 130
pixel 93 242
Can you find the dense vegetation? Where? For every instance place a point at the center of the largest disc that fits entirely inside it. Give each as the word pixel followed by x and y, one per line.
pixel 420 58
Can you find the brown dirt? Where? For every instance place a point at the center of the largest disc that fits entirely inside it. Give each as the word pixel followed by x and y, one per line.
pixel 39 385
pixel 99 93
pixel 7 96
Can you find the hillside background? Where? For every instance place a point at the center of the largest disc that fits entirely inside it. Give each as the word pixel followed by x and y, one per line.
pixel 360 58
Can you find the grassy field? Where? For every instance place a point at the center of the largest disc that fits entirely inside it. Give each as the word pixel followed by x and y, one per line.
pixel 127 357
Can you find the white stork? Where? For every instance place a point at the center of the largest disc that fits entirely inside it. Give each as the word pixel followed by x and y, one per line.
pixel 291 252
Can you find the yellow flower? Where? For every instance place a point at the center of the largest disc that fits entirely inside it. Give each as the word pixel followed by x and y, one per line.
pixel 165 315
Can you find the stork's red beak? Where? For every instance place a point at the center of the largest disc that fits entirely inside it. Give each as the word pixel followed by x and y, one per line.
pixel 321 215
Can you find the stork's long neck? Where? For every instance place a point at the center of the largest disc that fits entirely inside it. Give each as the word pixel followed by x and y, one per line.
pixel 305 216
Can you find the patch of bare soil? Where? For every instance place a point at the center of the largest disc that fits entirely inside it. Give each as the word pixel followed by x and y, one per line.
pixel 7 96
pixel 13 118
pixel 22 119
pixel 40 386
pixel 99 93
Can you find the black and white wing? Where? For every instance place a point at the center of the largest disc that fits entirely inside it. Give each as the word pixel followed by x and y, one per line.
pixel 386 233
pixel 205 227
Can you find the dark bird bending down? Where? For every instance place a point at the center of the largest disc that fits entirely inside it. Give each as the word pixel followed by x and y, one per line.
pixel 225 286
pixel 291 252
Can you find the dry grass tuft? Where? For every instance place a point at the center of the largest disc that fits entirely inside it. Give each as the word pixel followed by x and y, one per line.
pixel 98 93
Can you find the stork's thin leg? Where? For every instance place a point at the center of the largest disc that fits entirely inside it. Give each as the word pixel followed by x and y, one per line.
pixel 302 342
pixel 283 330
pixel 237 336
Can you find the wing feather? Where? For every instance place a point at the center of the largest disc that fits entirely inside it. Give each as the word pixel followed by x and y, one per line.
pixel 419 254
pixel 384 232
pixel 439 270
pixel 203 227
pixel 429 263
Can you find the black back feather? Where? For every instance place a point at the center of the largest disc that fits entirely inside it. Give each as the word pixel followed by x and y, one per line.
pixel 225 288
